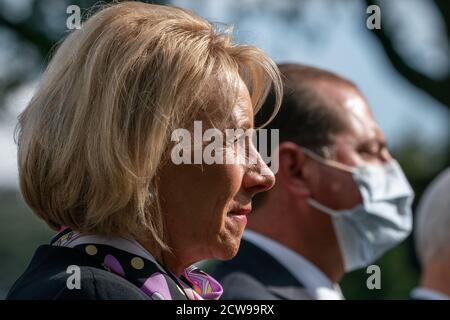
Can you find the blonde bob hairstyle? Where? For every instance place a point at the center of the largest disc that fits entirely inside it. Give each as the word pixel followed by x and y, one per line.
pixel 95 133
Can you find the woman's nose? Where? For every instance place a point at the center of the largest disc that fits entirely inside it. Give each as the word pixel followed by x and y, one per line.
pixel 258 178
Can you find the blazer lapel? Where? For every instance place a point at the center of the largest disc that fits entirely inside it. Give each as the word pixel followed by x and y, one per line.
pixel 266 269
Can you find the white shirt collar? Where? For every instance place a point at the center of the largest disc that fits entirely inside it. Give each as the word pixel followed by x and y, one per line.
pixel 316 283
pixel 422 293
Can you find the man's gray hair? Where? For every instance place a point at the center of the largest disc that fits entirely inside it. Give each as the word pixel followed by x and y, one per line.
pixel 432 229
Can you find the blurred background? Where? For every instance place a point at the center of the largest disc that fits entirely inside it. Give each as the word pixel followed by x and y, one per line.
pixel 402 68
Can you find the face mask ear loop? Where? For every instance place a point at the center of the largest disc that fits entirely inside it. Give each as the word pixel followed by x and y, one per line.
pixel 317 205
pixel 328 162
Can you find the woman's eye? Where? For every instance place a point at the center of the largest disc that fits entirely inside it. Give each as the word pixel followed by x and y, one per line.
pixel 235 139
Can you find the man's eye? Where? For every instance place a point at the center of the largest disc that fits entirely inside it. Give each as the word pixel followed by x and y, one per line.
pixel 368 152
pixel 367 155
pixel 372 151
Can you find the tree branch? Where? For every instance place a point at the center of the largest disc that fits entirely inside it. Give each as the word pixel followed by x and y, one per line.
pixel 438 89
pixel 42 42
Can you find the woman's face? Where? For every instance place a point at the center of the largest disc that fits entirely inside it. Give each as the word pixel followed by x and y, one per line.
pixel 205 206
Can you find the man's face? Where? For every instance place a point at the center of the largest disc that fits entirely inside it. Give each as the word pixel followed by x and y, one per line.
pixel 362 143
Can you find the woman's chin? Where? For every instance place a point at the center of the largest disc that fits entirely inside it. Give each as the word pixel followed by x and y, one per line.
pixel 229 249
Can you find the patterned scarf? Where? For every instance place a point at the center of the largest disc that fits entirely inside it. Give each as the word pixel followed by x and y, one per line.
pixel 128 259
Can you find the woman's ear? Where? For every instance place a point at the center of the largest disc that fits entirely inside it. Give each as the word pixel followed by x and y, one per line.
pixel 290 173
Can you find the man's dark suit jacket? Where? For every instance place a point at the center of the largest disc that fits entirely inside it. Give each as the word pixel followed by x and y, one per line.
pixel 254 274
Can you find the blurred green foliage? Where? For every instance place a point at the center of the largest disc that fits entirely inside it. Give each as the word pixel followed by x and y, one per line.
pixel 20 234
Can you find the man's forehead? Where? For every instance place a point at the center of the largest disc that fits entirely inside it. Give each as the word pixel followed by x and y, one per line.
pixel 353 107
pixel 360 119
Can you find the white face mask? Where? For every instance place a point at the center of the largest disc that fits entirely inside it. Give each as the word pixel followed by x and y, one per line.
pixel 384 218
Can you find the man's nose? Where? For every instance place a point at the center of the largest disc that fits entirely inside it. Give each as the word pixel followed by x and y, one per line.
pixel 385 155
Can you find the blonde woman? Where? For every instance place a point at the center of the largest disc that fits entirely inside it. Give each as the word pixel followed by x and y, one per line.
pixel 94 148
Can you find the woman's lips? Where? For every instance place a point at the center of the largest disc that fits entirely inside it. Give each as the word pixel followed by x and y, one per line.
pixel 240 214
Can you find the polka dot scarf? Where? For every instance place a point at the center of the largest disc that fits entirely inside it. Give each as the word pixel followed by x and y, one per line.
pixel 128 259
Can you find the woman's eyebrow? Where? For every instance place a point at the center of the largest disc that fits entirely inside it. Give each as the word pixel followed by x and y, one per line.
pixel 246 125
pixel 240 121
